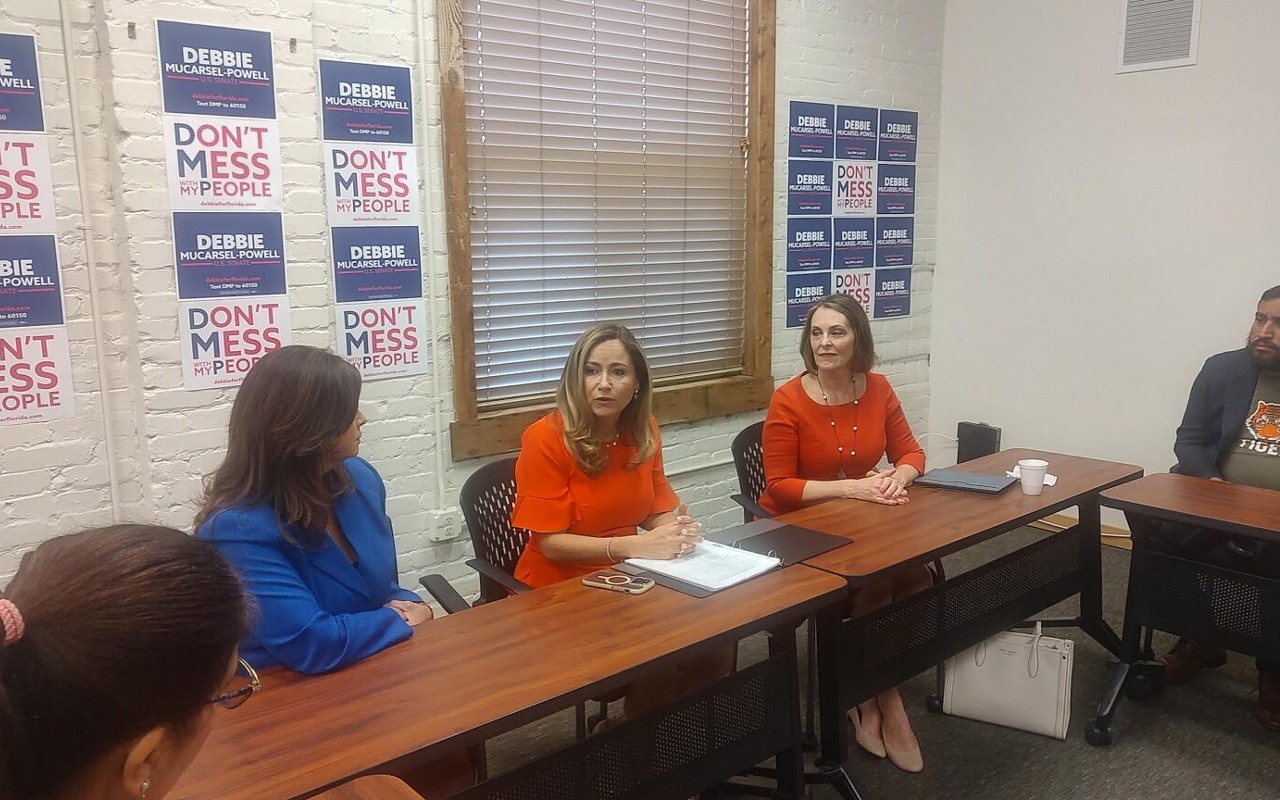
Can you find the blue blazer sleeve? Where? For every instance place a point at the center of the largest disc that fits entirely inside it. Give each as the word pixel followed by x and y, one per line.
pixel 292 626
pixel 368 482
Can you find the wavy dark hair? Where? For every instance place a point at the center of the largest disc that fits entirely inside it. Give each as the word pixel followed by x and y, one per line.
pixel 128 628
pixel 290 410
pixel 636 421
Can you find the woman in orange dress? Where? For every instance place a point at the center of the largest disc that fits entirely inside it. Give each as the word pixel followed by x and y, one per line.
pixel 826 431
pixel 590 487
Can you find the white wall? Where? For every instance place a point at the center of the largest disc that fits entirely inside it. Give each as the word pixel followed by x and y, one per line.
pixel 1100 235
pixel 53 477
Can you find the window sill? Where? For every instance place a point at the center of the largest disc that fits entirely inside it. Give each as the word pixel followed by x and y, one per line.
pixel 499 432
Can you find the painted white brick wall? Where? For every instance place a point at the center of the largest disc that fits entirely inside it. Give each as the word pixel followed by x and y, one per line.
pixel 53 477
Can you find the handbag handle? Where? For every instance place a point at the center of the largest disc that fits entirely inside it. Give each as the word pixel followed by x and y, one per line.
pixel 1033 662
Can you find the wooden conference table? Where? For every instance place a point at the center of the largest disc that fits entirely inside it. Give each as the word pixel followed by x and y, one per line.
pixel 371 787
pixel 1210 603
pixel 862 656
pixel 466 677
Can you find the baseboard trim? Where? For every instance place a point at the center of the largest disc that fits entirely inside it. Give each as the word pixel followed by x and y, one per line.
pixel 1111 534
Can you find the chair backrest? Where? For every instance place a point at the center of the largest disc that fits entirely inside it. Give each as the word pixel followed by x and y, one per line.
pixel 748 459
pixel 487 499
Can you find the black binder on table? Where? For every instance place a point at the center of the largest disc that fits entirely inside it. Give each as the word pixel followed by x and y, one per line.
pixel 789 543
pixel 963 481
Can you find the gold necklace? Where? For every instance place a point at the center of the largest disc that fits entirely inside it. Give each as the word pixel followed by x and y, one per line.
pixel 835 431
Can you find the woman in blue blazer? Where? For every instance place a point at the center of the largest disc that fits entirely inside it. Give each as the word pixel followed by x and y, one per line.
pixel 304 519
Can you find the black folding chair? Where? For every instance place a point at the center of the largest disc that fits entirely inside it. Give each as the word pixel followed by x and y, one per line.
pixel 748 459
pixel 487 499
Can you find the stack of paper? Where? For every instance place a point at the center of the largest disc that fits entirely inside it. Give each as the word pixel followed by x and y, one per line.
pixel 712 566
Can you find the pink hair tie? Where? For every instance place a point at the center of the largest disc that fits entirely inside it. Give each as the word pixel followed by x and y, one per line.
pixel 11 621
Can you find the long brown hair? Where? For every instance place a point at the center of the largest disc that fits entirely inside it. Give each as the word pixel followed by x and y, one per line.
pixel 571 401
pixel 290 410
pixel 864 347
pixel 127 628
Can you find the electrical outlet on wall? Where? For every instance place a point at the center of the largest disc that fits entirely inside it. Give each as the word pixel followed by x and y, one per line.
pixel 444 524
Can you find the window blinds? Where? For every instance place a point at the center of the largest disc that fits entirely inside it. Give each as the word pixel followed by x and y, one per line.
pixel 607 181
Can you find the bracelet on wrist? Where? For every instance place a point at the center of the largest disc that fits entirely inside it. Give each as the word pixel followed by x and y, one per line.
pixel 608 554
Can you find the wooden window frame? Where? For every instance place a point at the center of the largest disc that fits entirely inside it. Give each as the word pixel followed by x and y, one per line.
pixel 476 431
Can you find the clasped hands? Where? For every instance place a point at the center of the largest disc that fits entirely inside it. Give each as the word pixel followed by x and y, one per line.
pixel 885 487
pixel 671 539
pixel 412 613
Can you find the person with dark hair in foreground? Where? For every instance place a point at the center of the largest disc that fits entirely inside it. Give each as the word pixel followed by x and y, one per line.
pixel 119 646
pixel 1231 432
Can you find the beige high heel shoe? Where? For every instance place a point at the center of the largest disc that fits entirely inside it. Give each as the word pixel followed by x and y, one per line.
pixel 909 760
pixel 867 740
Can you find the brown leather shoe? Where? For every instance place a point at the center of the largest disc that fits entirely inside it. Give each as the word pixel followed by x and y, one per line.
pixel 1268 711
pixel 1187 658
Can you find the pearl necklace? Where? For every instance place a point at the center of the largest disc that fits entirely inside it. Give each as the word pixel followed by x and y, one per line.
pixel 826 403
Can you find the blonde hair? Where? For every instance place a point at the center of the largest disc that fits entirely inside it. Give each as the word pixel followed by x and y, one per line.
pixel 575 410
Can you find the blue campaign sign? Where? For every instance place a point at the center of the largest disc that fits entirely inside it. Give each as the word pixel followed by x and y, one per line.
pixel 228 254
pixel 803 290
pixel 898 133
pixel 226 72
pixel 896 192
pixel 855 243
pixel 21 108
pixel 893 292
pixel 808 244
pixel 811 130
pixel 30 288
pixel 809 187
pixel 376 263
pixel 366 102
pixel 895 241
pixel 856 133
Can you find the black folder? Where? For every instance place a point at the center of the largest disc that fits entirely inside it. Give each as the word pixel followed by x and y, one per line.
pixel 963 481
pixel 789 543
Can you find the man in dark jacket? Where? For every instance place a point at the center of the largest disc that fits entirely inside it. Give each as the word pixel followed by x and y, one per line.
pixel 1231 432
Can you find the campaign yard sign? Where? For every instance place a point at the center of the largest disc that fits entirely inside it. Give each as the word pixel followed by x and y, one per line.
pixel 222 339
pixel 362 102
pixel 223 164
pixel 228 254
pixel 30 285
pixel 211 70
pixel 26 185
pixel 21 107
pixel 386 339
pixel 35 375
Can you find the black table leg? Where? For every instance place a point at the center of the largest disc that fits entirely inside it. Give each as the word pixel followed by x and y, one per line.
pixel 829 766
pixel 1091 620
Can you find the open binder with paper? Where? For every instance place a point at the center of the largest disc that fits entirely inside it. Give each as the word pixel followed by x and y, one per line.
pixel 711 566
pixel 729 557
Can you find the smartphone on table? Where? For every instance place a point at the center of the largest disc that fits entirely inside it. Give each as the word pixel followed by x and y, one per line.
pixel 618 581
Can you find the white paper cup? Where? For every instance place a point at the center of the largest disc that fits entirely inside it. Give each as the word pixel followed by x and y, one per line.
pixel 1032 472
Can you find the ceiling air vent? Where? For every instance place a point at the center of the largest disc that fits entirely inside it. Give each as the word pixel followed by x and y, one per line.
pixel 1157 34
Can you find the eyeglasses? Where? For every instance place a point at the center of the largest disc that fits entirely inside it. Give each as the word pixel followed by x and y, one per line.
pixel 237 697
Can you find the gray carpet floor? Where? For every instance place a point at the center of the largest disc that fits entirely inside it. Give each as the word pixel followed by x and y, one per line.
pixel 1193 741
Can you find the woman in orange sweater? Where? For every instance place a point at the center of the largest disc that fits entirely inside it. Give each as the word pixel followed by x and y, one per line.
pixel 826 431
pixel 590 487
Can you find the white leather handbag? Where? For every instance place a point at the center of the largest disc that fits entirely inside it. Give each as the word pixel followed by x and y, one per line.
pixel 1019 680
